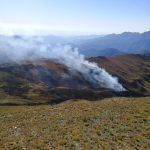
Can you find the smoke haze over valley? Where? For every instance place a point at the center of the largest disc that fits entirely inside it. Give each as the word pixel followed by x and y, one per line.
pixel 75 62
pixel 15 49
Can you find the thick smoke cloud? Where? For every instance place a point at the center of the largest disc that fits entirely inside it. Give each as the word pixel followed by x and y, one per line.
pixel 24 48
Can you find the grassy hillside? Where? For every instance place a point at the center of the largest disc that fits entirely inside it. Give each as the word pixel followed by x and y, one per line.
pixel 47 81
pixel 133 71
pixel 110 124
pixel 31 81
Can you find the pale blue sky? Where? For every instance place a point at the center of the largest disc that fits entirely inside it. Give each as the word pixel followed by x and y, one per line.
pixel 74 16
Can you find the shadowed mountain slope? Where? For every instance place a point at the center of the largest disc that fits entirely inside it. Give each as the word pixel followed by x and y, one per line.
pixel 47 81
pixel 133 71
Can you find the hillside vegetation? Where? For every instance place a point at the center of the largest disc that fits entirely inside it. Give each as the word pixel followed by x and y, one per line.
pixel 47 81
pixel 133 71
pixel 110 124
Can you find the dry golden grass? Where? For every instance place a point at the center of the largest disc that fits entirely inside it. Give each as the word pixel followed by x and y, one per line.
pixel 110 124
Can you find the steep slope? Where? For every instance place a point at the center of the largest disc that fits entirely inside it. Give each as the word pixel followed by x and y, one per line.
pixel 44 81
pixel 47 81
pixel 132 70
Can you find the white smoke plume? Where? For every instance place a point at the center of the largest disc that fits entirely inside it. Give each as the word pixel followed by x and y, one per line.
pixel 18 48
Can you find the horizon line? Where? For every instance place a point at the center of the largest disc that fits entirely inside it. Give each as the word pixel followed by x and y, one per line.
pixel 63 33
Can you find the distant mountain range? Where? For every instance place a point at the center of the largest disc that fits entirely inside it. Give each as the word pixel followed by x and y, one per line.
pixel 103 52
pixel 99 45
pixel 127 42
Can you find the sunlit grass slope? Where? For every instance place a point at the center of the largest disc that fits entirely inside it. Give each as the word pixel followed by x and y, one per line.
pixel 109 124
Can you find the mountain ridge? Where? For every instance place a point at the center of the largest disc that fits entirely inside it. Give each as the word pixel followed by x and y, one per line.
pixel 126 42
pixel 47 81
